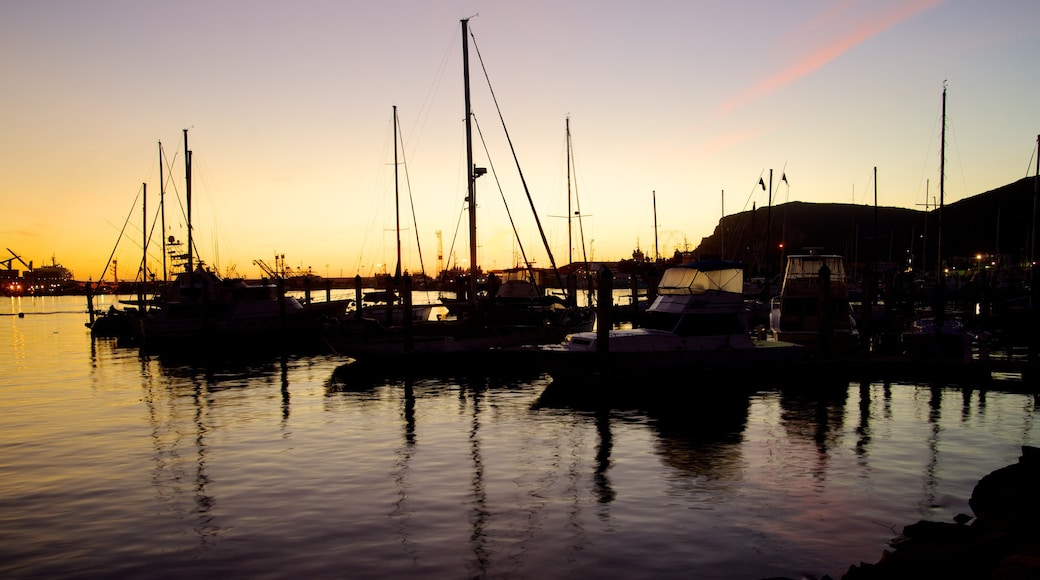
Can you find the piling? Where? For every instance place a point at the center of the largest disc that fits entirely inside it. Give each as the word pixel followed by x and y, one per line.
pixel 633 285
pixel 605 302
pixel 90 304
pixel 406 314
pixel 281 301
pixel 357 297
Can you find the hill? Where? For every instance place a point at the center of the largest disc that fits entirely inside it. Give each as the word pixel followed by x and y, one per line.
pixel 995 223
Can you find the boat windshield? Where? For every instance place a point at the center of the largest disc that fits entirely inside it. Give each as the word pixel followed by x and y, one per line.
pixel 687 280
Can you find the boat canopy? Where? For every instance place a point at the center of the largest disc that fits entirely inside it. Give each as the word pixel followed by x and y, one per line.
pixel 801 267
pixel 703 276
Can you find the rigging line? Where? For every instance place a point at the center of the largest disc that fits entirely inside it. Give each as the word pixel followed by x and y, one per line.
pixel 426 108
pixel 411 202
pixel 373 215
pixel 458 226
pixel 502 194
pixel 1032 156
pixel 960 164
pixel 541 231
pixel 738 225
pixel 125 223
pixel 577 198
pixel 927 163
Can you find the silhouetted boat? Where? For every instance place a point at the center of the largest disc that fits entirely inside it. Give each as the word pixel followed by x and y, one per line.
pixel 813 307
pixel 200 309
pixel 698 324
pixel 503 313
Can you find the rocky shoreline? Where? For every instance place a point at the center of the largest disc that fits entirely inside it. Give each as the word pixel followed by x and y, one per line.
pixel 1001 541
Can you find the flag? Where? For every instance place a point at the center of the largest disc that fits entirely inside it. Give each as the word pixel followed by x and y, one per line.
pixel 762 183
pixel 784 179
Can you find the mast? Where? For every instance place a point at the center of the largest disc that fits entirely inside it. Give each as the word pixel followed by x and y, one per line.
pixel 470 169
pixel 397 204
pixel 940 287
pixel 942 189
pixel 1036 206
pixel 144 244
pixel 162 210
pixel 657 255
pixel 187 190
pixel 570 242
pixel 769 225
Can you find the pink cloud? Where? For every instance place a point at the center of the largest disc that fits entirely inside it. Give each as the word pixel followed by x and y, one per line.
pixel 825 54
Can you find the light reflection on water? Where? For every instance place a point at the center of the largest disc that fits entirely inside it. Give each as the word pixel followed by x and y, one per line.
pixel 140 466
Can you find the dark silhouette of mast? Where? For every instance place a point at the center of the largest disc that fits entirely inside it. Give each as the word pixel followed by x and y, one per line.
pixel 162 210
pixel 187 190
pixel 471 171
pixel 397 205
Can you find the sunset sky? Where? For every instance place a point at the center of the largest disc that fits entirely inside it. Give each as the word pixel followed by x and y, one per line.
pixel 289 108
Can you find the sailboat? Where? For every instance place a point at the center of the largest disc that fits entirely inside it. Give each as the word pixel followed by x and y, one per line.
pixel 493 314
pixel 940 335
pixel 201 309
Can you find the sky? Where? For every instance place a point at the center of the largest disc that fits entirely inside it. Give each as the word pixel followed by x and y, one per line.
pixel 676 105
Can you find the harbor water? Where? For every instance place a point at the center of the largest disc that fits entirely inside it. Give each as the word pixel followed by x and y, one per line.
pixel 125 465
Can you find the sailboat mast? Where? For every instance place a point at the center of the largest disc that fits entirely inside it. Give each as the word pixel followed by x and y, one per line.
pixel 144 230
pixel 144 243
pixel 769 225
pixel 942 189
pixel 570 242
pixel 397 204
pixel 1035 298
pixel 162 210
pixel 657 255
pixel 470 169
pixel 187 194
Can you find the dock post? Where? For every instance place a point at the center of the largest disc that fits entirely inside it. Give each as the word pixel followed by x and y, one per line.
pixel 328 290
pixel 281 301
pixel 633 284
pixel 357 296
pixel 90 304
pixel 572 290
pixel 307 290
pixel 605 303
pixel 866 309
pixel 406 313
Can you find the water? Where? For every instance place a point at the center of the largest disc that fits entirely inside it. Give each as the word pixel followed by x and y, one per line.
pixel 132 466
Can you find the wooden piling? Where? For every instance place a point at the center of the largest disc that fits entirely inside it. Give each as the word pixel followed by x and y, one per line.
pixel 605 304
pixel 406 314
pixel 357 297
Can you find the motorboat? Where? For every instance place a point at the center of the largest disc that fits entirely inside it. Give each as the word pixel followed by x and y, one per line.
pixel 813 307
pixel 699 321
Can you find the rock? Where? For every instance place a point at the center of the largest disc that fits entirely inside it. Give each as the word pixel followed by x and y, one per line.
pixel 1002 542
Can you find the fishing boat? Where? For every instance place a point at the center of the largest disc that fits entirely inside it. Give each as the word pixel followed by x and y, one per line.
pixel 698 323
pixel 813 307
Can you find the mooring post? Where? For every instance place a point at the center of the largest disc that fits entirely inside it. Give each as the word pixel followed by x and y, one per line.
pixel 357 296
pixel 281 301
pixel 406 314
pixel 605 307
pixel 633 285
pixel 328 290
pixel 866 310
pixel 90 304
